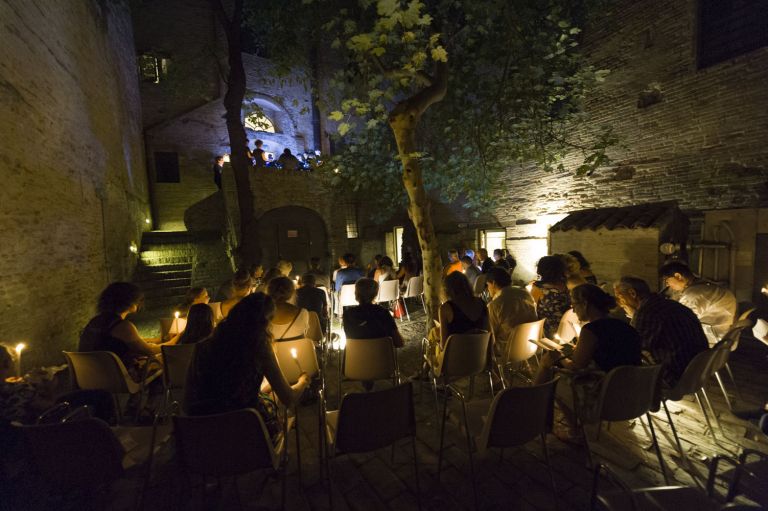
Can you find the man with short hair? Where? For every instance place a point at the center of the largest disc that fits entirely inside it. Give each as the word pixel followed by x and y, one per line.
pixel 671 332
pixel 715 306
pixel 509 306
pixel 498 257
pixel 312 298
pixel 321 277
pixel 348 273
pixel 470 270
pixel 453 262
pixel 486 263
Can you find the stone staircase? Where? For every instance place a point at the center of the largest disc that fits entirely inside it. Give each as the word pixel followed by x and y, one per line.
pixel 164 272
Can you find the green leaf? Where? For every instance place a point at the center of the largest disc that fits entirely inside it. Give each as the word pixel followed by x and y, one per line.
pixel 336 115
pixel 344 128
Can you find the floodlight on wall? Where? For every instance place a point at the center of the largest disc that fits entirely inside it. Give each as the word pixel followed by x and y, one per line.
pixel 133 248
pixel 147 221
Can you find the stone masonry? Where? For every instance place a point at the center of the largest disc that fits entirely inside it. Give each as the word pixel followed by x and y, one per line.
pixel 74 195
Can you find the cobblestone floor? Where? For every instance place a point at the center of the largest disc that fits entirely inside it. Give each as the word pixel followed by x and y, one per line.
pixel 521 481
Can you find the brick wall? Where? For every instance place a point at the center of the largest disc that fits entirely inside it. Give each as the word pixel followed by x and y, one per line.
pixel 702 145
pixel 74 194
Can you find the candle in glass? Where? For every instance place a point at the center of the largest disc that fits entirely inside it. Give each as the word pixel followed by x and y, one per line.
pixel 19 348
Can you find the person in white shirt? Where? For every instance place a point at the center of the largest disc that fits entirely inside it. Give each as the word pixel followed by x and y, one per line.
pixel 715 306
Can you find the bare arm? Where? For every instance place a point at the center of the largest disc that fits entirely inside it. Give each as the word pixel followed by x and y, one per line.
pixel 584 352
pixel 288 394
pixel 126 332
pixel 445 315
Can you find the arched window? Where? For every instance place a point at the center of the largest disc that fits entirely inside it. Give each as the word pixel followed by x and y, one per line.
pixel 259 122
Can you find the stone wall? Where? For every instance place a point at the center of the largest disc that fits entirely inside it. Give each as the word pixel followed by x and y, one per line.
pixel 74 194
pixel 703 144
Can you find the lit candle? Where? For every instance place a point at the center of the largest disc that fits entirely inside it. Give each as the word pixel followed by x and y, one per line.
pixel 295 356
pixel 19 348
pixel 175 324
pixel 764 290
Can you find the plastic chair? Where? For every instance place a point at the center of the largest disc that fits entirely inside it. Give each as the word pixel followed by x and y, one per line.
pixel 516 416
pixel 103 370
pixel 479 286
pixel 692 381
pixel 346 298
pixel 79 456
pixel 729 343
pixel 519 348
pixel 228 444
pixel 626 393
pixel 414 289
pixel 389 291
pixel 369 360
pixel 465 356
pixel 176 360
pixel 369 421
pixel 566 331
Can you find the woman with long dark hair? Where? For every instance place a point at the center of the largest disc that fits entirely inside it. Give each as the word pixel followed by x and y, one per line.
pixel 228 370
pixel 550 292
pixel 199 324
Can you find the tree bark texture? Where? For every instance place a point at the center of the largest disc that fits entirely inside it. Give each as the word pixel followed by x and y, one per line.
pixel 238 141
pixel 404 120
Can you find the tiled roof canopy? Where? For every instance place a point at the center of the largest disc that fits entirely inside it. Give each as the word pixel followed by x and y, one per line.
pixel 657 214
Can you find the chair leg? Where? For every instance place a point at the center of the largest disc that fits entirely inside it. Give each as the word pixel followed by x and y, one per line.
pixel 490 382
pixel 437 402
pixel 706 417
pixel 416 471
pixel 549 466
pixel 405 306
pixel 712 409
pixel 674 430
pixel 722 388
pixel 423 303
pixel 733 380
pixel 469 451
pixel 658 449
pixel 298 442
pixel 442 437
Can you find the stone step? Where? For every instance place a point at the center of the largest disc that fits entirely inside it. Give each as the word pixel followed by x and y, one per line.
pixel 150 274
pixel 153 285
pixel 166 238
pixel 156 291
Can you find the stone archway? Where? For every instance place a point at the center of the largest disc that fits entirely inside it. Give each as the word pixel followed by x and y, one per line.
pixel 293 233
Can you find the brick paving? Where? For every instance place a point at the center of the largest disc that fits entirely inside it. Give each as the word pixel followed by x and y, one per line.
pixel 371 482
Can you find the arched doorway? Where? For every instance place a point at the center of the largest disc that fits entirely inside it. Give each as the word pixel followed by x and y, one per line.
pixel 293 233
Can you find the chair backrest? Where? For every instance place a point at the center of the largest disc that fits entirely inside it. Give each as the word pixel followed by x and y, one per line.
pixel 479 285
pixel 224 444
pixel 415 287
pixel 566 330
pixel 517 415
pixel 81 454
pixel 389 291
pixel 745 315
pixel 305 356
pixel 734 333
pixel 370 359
pixel 100 370
pixel 519 346
pixel 465 355
pixel 372 420
pixel 347 295
pixel 695 375
pixel 216 308
pixel 176 360
pixel 628 392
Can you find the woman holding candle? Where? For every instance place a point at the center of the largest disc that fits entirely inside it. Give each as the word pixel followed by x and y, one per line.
pixel 290 322
pixel 227 370
pixel 109 330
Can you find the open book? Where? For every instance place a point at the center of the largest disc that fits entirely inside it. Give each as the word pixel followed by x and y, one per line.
pixel 547 344
pixel 760 331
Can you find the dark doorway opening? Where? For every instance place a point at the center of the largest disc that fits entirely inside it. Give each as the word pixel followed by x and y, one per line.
pixel 295 234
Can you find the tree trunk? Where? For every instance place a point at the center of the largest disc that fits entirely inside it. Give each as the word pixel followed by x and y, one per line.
pixel 419 210
pixel 246 252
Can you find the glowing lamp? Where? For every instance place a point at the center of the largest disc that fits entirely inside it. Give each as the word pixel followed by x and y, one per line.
pixel 147 221
pixel 133 248
pixel 226 158
pixel 764 290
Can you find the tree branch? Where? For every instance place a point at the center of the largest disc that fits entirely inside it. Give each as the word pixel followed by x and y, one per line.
pixel 423 99
pixel 423 78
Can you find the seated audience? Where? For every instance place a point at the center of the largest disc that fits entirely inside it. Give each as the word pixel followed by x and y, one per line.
pixel 227 370
pixel 267 278
pixel 385 271
pixel 550 292
pixel 670 332
pixel 199 325
pixel 714 305
pixel 406 271
pixel 573 277
pixel 312 298
pixel 194 296
pixel 368 320
pixel 348 273
pixel 486 263
pixel 321 276
pixel 284 267
pixel 584 267
pixel 454 264
pixel 469 269
pixel 289 321
pixel 257 275
pixel 511 261
pixel 462 311
pixel 240 287
pixel 288 161
pixel 370 270
pixel 498 258
pixel 109 330
pixel 509 306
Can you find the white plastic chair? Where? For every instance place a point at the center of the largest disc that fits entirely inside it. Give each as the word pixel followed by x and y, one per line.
pixel 519 348
pixel 479 285
pixel 229 444
pixel 346 298
pixel 176 360
pixel 369 360
pixel 389 291
pixel 414 289
pixel 566 330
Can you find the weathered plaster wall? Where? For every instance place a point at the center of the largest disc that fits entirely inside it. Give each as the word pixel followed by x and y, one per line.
pixel 702 145
pixel 74 194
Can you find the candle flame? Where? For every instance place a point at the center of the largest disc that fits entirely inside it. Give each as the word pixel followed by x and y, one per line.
pixel 764 290
pixel 176 314
pixel 20 347
pixel 294 354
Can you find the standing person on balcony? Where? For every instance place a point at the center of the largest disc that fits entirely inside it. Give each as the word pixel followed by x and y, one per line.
pixel 258 156
pixel 218 169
